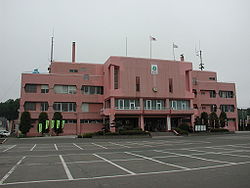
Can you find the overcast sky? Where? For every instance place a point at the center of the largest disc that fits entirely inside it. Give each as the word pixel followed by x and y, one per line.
pixel 100 28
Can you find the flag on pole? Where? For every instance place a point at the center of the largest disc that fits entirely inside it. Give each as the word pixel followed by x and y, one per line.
pixel 52 124
pixel 152 38
pixel 175 46
pixel 63 122
pixel 57 124
pixel 40 127
pixel 47 124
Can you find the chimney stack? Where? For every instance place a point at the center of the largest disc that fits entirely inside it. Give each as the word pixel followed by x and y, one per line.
pixel 73 52
pixel 182 57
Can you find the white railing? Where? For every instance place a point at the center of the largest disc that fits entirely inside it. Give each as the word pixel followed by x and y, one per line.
pixel 128 108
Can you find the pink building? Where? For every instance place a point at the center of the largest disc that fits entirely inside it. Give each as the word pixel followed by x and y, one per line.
pixel 155 95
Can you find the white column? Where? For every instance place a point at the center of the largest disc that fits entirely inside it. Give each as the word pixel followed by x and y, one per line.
pixel 168 123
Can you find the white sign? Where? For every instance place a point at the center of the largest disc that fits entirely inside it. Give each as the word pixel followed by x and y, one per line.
pixel 154 69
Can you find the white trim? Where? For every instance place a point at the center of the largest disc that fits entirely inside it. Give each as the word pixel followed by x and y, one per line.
pixel 116 165
pixel 66 168
pixel 12 170
pixel 157 161
pixel 33 147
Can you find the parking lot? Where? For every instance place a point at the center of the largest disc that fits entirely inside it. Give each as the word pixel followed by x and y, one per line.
pixel 218 161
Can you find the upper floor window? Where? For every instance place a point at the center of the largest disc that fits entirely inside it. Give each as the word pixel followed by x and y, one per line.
pixel 30 106
pixel 44 88
pixel 227 108
pixel 127 104
pixel 226 94
pixel 73 70
pixel 92 90
pixel 116 77
pixel 137 83
pixel 65 89
pixel 86 77
pixel 212 78
pixel 194 81
pixel 30 88
pixel 44 106
pixel 212 93
pixel 213 108
pixel 180 104
pixel 64 106
pixel 154 104
pixel 170 85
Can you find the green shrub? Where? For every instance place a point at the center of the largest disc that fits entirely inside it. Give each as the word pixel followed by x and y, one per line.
pixel 219 130
pixel 184 126
pixel 88 135
pixel 134 132
pixel 112 133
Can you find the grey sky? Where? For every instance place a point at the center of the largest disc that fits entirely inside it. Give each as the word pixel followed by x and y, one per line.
pixel 100 27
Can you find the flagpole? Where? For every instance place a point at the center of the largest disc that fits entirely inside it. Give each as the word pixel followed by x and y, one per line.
pixel 150 48
pixel 173 51
pixel 126 46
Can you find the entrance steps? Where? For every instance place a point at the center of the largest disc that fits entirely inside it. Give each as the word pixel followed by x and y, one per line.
pixel 162 134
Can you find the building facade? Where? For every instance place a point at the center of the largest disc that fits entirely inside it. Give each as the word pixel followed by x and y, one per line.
pixel 154 95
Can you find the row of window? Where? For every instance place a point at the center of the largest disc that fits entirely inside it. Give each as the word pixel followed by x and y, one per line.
pixel 65 89
pixel 213 107
pixel 134 104
pixel 84 121
pixel 212 93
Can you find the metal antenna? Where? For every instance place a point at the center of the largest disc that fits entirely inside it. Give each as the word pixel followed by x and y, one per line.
pixel 52 48
pixel 199 54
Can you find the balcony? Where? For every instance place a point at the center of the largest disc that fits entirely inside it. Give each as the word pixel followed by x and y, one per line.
pixel 128 108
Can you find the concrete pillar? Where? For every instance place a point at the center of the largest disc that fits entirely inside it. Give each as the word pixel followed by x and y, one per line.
pixel 112 122
pixel 141 122
pixel 168 123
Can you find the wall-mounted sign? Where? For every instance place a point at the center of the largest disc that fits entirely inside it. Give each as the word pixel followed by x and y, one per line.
pixel 154 69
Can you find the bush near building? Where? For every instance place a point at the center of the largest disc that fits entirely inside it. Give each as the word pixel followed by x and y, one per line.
pixel 25 123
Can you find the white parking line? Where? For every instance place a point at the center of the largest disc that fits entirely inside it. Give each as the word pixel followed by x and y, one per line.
pixel 157 161
pixel 33 148
pixel 99 146
pixel 116 165
pixel 56 147
pixel 77 146
pixel 11 170
pixel 119 145
pixel 9 148
pixel 194 157
pixel 66 168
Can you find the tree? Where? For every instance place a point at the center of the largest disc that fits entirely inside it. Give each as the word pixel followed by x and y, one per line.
pixel 43 116
pixel 58 128
pixel 223 119
pixel 25 123
pixel 213 120
pixel 197 120
pixel 204 118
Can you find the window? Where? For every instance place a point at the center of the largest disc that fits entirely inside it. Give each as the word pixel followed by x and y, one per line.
pixel 44 89
pixel 64 107
pixel 44 106
pixel 148 104
pixel 213 108
pixel 180 104
pixel 70 121
pixel 127 104
pixel 85 77
pixel 85 107
pixel 30 106
pixel 92 90
pixel 73 70
pixel 30 88
pixel 212 78
pixel 194 81
pixel 65 89
pixel 170 83
pixel 203 93
pixel 226 94
pixel 132 104
pixel 212 94
pixel 227 108
pixel 137 83
pixel 195 92
pixel 116 77
pixel 91 121
pixel 158 104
